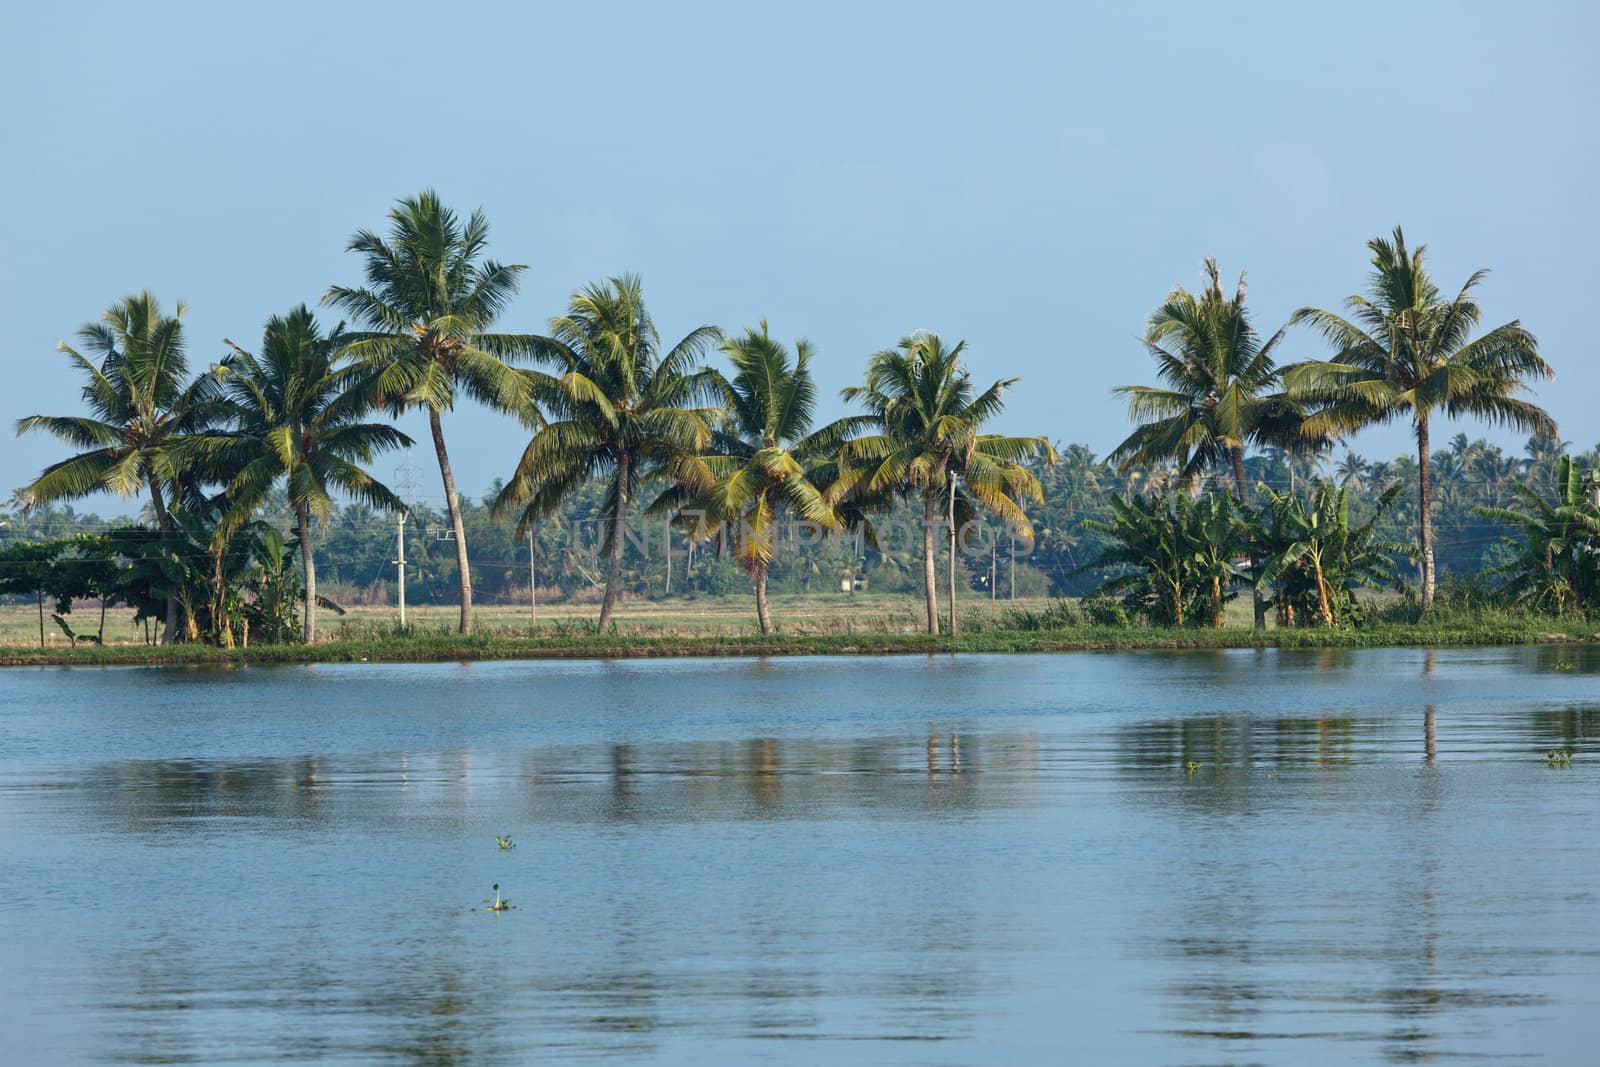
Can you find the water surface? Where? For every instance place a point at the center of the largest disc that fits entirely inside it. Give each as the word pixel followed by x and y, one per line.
pixel 1206 857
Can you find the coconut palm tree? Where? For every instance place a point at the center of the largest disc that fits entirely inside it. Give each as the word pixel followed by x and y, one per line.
pixel 1352 472
pixel 616 406
pixel 765 460
pixel 299 421
pixel 426 310
pixel 1221 391
pixel 144 410
pixel 1407 354
pixel 927 414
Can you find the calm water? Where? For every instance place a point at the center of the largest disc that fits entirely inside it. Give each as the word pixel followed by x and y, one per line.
pixel 982 860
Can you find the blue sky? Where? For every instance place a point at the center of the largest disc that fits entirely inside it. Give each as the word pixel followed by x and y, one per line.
pixel 1031 177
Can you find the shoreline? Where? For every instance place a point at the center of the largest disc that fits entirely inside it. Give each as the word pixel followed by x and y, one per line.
pixel 437 648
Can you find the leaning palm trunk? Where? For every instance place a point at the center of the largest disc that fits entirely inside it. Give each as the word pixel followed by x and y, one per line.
pixel 1425 511
pixel 453 502
pixel 164 520
pixel 930 504
pixel 619 537
pixel 308 564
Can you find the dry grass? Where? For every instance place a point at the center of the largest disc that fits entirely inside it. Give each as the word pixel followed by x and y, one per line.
pixel 817 613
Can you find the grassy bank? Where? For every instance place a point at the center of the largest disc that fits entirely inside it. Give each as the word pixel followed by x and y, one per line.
pixel 438 647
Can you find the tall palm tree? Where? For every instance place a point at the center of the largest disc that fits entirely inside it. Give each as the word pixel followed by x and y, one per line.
pixel 144 410
pixel 429 301
pixel 1407 354
pixel 1221 391
pixel 765 458
pixel 927 414
pixel 299 420
pixel 616 406
pixel 1221 387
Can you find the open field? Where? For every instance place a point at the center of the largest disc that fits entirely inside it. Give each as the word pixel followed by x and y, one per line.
pixel 676 616
pixel 557 642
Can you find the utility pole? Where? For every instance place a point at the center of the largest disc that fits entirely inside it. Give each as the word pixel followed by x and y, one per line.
pixel 952 553
pixel 408 477
pixel 400 565
pixel 666 541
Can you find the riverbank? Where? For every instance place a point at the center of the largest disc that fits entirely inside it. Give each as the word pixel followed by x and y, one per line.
pixel 438 647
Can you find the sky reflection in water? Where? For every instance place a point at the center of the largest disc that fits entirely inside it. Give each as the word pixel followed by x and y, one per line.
pixel 1318 857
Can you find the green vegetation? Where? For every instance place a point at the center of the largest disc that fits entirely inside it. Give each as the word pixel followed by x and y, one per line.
pixel 926 412
pixel 239 459
pixel 427 307
pixel 1408 355
pixel 618 409
pixel 559 641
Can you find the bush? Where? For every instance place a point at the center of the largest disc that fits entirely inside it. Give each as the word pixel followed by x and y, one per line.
pixel 1058 616
pixel 1101 610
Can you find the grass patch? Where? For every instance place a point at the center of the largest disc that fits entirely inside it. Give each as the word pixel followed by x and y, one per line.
pixel 432 646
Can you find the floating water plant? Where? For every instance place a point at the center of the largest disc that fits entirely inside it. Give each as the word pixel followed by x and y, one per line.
pixel 1557 758
pixel 499 903
pixel 505 843
pixel 1191 766
pixel 1565 667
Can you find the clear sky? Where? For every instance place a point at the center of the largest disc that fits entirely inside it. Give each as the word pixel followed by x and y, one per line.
pixel 1032 177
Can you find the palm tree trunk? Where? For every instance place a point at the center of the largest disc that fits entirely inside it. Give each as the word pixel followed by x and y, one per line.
pixel 1216 601
pixel 619 538
pixel 38 596
pixel 763 616
pixel 453 502
pixel 1242 486
pixel 308 565
pixel 930 588
pixel 164 521
pixel 1425 511
pixel 221 627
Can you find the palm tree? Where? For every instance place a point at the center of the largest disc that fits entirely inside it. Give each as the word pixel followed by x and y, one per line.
pixel 1352 472
pixel 299 420
pixel 766 460
pixel 1407 354
pixel 616 407
pixel 1220 380
pixel 426 310
pixel 1221 390
pixel 144 410
pixel 922 402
